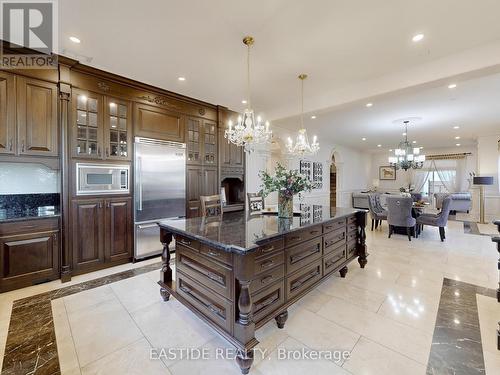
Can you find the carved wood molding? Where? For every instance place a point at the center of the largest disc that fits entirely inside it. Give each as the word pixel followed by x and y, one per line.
pixel 160 100
pixel 103 86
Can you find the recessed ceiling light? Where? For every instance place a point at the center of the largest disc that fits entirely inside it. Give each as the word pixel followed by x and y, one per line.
pixel 421 147
pixel 417 37
pixel 379 145
pixel 404 133
pixel 390 150
pixel 363 139
pixel 456 127
pixel 181 78
pixel 458 144
pixel 243 101
pixel 452 85
pixel 414 142
pixel 457 137
pixel 313 117
pixel 74 39
pixel 369 104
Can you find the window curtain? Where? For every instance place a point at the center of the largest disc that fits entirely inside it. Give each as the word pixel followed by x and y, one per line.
pixel 418 177
pixel 448 173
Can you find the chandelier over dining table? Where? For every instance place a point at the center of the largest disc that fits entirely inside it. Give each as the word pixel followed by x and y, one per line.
pixel 248 131
pixel 301 146
pixel 406 156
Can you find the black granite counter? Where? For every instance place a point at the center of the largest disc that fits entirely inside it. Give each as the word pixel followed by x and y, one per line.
pixel 19 207
pixel 242 232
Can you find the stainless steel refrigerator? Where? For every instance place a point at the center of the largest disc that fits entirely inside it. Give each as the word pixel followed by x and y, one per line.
pixel 159 190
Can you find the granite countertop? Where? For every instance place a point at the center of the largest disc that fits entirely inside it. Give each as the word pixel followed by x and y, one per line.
pixel 241 231
pixel 19 207
pixel 31 214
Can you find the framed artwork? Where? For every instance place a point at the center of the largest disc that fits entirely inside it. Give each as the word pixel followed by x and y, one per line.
pixel 317 175
pixel 387 173
pixel 305 168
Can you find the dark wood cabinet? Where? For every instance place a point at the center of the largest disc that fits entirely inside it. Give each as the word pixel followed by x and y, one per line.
pixel 37 122
pixel 158 123
pixel 118 230
pixel 7 114
pixel 230 155
pixel 102 232
pixel 209 143
pixel 194 140
pixel 194 186
pixel 88 233
pixel 117 129
pixel 29 253
pixel 210 181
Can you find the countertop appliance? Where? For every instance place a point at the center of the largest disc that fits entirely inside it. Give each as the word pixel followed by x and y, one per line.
pixel 159 190
pixel 94 179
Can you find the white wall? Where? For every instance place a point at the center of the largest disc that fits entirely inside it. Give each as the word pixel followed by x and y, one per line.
pixel 22 178
pixel 488 165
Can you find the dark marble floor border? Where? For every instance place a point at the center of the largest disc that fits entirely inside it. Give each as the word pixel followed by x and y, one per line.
pixel 456 344
pixel 31 346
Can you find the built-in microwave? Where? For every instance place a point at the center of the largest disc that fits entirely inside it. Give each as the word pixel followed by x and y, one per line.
pixel 102 179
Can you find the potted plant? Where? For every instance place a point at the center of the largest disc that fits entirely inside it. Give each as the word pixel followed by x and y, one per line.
pixel 286 182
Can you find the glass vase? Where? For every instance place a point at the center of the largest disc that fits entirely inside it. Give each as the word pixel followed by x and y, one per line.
pixel 285 205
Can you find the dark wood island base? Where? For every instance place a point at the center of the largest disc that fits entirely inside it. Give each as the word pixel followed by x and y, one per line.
pixel 236 283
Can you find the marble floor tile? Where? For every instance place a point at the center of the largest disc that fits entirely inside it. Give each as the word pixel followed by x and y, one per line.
pixel 68 360
pixel 171 325
pixel 137 292
pixel 341 288
pixel 401 338
pixel 133 359
pixel 371 358
pixel 269 337
pixel 88 298
pixel 489 316
pixel 278 363
pixel 314 300
pixel 318 332
pixel 101 329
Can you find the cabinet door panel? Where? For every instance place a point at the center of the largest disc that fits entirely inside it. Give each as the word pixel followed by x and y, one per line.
pixel 236 155
pixel 117 129
pixel 210 181
pixel 37 117
pixel 118 237
pixel 87 223
pixel 158 123
pixel 7 114
pixel 194 186
pixel 209 142
pixel 224 149
pixel 194 139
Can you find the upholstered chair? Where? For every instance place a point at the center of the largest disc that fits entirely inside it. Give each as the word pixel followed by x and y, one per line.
pixel 399 215
pixel 376 210
pixel 211 205
pixel 437 220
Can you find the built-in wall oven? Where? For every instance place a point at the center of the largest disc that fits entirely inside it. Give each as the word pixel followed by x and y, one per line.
pixel 94 179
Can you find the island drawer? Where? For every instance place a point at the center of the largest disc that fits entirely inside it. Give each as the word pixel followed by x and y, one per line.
pixel 333 260
pixel 333 240
pixel 210 304
pixel 351 236
pixel 351 219
pixel 303 279
pixel 351 249
pixel 268 300
pixel 269 248
pixel 213 275
pixel 303 254
pixel 334 225
pixel 267 278
pixel 352 227
pixel 215 254
pixel 29 226
pixel 303 235
pixel 265 264
pixel 188 242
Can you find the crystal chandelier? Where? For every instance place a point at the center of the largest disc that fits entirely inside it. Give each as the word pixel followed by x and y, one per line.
pixel 406 156
pixel 302 146
pixel 247 132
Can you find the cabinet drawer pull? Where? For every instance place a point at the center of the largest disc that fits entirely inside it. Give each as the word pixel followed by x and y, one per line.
pixel 215 277
pixel 314 231
pixel 299 257
pixel 203 271
pixel 335 239
pixel 185 242
pixel 266 279
pixel 295 238
pixel 266 264
pixel 304 279
pixel 331 262
pixel 213 253
pixel 216 310
pixel 266 302
pixel 267 249
pixel 209 306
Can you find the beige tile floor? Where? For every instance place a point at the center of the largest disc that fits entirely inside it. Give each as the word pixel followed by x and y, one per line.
pixel 384 315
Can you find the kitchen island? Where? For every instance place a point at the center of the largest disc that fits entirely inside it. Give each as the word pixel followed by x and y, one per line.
pixel 240 270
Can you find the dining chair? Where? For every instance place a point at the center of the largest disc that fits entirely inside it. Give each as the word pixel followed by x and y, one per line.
pixel 255 202
pixel 211 205
pixel 400 215
pixel 437 220
pixel 377 213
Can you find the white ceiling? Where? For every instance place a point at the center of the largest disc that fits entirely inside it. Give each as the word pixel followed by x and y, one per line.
pixel 339 43
pixel 473 106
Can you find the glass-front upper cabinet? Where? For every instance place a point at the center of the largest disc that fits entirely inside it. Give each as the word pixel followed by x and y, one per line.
pixel 87 124
pixel 118 134
pixel 209 142
pixel 194 140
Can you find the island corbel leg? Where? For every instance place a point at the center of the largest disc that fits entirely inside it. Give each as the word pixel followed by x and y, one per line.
pixel 245 327
pixel 343 271
pixel 361 245
pixel 244 359
pixel 166 271
pixel 281 319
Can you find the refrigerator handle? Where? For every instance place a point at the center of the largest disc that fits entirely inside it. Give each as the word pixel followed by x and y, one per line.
pixel 139 183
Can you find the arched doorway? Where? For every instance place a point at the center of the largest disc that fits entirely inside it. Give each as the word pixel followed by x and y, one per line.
pixel 333 183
